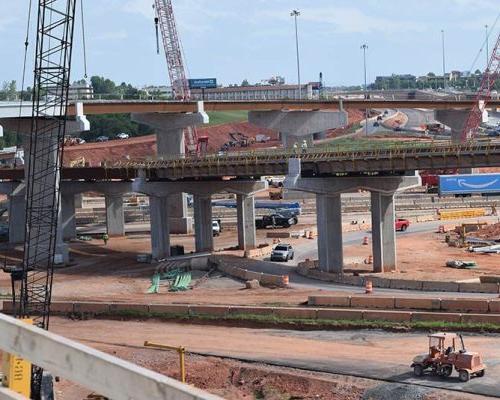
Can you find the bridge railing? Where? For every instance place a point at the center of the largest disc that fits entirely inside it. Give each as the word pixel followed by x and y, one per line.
pixel 107 375
pixel 366 150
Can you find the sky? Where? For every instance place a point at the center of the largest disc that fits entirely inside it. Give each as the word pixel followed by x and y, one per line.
pixel 233 40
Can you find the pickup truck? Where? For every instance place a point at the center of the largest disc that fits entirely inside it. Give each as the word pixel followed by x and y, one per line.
pixel 275 220
pixel 402 224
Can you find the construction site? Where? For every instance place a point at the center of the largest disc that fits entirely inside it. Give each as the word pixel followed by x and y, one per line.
pixel 290 246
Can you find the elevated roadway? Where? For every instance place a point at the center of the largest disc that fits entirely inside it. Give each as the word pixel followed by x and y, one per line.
pixel 131 106
pixel 320 161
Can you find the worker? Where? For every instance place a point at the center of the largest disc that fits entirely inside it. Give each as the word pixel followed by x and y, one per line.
pixel 295 148
pixel 494 209
pixel 105 238
pixel 304 146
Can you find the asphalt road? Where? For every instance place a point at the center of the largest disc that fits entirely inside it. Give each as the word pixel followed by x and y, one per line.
pixel 310 250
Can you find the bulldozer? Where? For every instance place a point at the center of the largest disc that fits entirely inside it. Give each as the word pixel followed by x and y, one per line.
pixel 444 356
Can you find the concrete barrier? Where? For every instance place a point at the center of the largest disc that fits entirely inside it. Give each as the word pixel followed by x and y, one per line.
pixel 437 286
pixel 481 318
pixel 479 287
pixel 494 306
pixel 278 235
pixel 417 303
pixel 372 302
pixel 339 314
pixel 218 311
pixel 438 317
pixel 246 275
pixel 295 313
pixel 332 301
pixel 465 305
pixel 394 316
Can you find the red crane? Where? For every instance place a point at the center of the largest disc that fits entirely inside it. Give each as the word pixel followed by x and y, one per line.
pixel 166 20
pixel 490 76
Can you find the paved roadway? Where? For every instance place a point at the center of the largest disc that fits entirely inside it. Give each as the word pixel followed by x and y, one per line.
pixel 370 354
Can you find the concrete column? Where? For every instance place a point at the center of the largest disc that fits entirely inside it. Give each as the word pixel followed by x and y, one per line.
pixel 68 219
pixel 170 141
pixel 160 236
pixel 17 218
pixel 62 249
pixel 330 246
pixel 455 120
pixel 204 239
pixel 115 219
pixel 245 211
pixel 383 232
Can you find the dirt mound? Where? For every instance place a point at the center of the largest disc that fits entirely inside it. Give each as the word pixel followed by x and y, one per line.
pixel 491 232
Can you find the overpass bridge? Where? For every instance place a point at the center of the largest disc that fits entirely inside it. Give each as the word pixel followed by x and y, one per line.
pixel 324 171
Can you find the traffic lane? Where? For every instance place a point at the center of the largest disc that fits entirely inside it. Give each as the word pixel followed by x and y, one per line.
pixel 370 354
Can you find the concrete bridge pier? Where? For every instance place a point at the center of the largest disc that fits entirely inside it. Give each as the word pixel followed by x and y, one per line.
pixel 160 230
pixel 17 216
pixel 383 232
pixel 204 238
pixel 115 217
pixel 170 141
pixel 454 119
pixel 68 219
pixel 329 222
pixel 245 214
pixel 296 126
pixel 329 215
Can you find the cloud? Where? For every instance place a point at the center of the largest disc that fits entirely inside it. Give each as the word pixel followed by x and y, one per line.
pixel 350 20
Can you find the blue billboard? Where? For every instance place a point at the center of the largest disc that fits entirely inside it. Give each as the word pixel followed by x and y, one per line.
pixel 466 184
pixel 205 83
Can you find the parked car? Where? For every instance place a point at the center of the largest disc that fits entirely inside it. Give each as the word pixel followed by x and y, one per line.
pixel 122 135
pixel 216 227
pixel 402 224
pixel 102 139
pixel 376 123
pixel 4 233
pixel 379 118
pixel 282 252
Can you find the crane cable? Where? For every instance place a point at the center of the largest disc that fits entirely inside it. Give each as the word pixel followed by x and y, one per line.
pixel 484 43
pixel 26 45
pixel 84 41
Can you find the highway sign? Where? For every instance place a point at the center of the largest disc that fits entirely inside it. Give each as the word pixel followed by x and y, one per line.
pixel 205 83
pixel 467 184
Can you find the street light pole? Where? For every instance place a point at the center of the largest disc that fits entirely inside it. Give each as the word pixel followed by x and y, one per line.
pixel 295 14
pixel 364 47
pixel 444 60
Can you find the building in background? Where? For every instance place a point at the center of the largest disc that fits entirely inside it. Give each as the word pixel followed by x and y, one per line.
pixel 310 91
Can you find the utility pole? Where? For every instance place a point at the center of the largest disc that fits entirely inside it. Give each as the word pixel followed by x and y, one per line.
pixel 295 14
pixel 364 47
pixel 444 59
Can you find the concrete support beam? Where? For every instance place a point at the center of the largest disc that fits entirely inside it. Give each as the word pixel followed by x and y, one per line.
pixel 330 247
pixel 68 220
pixel 170 141
pixel 454 119
pixel 296 126
pixel 383 232
pixel 160 232
pixel 245 212
pixel 17 218
pixel 115 218
pixel 204 239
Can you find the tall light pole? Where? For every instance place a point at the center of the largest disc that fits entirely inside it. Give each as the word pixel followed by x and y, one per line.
pixel 364 47
pixel 444 59
pixel 295 14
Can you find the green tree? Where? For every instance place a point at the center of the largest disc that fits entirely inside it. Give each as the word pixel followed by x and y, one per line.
pixel 245 82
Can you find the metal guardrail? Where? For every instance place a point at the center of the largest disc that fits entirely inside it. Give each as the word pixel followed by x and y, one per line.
pixel 339 152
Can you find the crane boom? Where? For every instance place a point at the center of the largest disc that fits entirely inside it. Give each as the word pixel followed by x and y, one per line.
pixel 490 76
pixel 176 69
pixel 54 45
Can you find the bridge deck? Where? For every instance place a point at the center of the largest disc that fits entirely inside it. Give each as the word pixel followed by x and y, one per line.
pixel 318 161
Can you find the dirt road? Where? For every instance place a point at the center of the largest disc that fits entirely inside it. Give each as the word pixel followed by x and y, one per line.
pixel 369 354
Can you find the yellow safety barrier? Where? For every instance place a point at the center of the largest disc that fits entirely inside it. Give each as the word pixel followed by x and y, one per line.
pixel 180 350
pixel 467 213
pixel 17 372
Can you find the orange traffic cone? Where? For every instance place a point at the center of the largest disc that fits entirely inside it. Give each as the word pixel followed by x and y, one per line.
pixel 365 241
pixel 368 287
